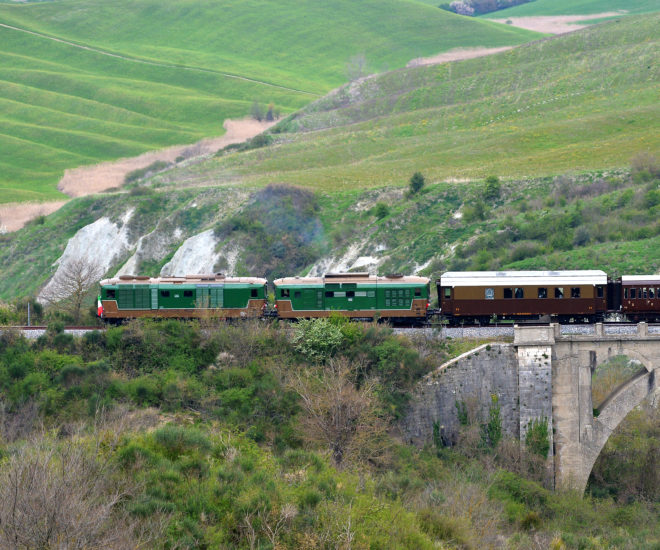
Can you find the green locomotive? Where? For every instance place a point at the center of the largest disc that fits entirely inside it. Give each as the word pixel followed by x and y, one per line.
pixel 192 296
pixel 358 295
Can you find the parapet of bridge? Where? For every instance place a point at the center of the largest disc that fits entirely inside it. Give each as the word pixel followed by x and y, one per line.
pixel 543 375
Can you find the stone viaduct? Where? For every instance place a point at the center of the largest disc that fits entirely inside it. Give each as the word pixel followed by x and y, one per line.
pixel 544 374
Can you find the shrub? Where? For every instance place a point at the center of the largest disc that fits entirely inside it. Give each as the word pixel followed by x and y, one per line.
pixel 537 438
pixel 176 440
pixel 381 210
pixel 317 339
pixel 416 183
pixel 492 188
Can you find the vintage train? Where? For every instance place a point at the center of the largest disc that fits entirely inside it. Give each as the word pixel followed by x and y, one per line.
pixel 463 297
pixel 563 296
pixel 396 298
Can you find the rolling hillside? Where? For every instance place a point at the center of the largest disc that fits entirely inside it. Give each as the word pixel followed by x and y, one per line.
pixel 576 7
pixel 584 101
pixel 83 80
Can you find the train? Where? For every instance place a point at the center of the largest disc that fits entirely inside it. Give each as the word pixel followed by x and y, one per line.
pixel 396 298
pixel 464 297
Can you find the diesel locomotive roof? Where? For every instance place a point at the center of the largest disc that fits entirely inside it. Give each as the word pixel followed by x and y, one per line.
pixel 359 278
pixel 188 279
pixel 523 278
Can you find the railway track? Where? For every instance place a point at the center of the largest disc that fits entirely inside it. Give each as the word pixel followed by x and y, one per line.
pixel 441 331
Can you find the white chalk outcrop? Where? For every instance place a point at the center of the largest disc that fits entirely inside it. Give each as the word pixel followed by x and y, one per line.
pixel 101 243
pixel 196 255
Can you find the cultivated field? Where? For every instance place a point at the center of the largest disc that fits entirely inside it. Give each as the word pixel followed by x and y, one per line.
pixel 88 81
pixel 584 101
pixel 576 7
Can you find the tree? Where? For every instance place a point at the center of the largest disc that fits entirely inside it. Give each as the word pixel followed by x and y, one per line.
pixel 381 210
pixel 60 496
pixel 257 111
pixel 356 67
pixel 416 183
pixel 340 416
pixel 492 188
pixel 70 285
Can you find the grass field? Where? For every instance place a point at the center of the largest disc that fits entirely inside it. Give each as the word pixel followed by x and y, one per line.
pixel 93 81
pixel 576 7
pixel 584 101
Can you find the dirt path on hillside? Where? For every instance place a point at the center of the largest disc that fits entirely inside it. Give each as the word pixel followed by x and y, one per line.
pixel 456 54
pixel 555 24
pixel 87 180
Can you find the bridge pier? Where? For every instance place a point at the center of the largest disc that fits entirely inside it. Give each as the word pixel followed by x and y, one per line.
pixel 544 374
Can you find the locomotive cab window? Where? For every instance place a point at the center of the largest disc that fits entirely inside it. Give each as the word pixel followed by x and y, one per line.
pixel 329 294
pixel 297 294
pixel 187 293
pixel 508 293
pixel 543 292
pixel 253 293
pixel 520 293
pixel 350 293
pixel 418 292
pixel 575 292
pixel 165 293
pixel 285 293
pixel 490 294
pixel 110 293
pixel 559 292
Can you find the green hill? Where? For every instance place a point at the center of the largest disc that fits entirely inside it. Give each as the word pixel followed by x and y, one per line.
pixel 84 81
pixel 576 7
pixel 584 101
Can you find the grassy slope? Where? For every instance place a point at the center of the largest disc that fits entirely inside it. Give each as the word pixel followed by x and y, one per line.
pixel 576 7
pixel 64 106
pixel 577 102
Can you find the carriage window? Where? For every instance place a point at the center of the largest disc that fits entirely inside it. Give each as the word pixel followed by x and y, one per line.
pixel 447 292
pixel 633 293
pixel 490 294
pixel 350 293
pixel 543 292
pixel 297 294
pixel 285 293
pixel 418 292
pixel 508 293
pixel 645 294
pixel 599 291
pixel 625 293
pixel 575 292
pixel 187 293
pixel 165 293
pixel 559 292
pixel 111 293
pixel 519 293
pixel 651 293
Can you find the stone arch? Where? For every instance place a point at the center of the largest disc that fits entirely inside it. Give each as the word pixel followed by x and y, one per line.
pixel 614 409
pixel 629 351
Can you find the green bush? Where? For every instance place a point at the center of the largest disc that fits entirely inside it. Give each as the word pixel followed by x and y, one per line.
pixel 537 438
pixel 317 339
pixel 177 440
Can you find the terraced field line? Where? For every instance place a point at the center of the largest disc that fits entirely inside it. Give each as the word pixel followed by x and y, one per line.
pixel 156 63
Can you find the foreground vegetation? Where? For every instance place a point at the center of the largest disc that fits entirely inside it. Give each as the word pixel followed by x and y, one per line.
pixel 252 436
